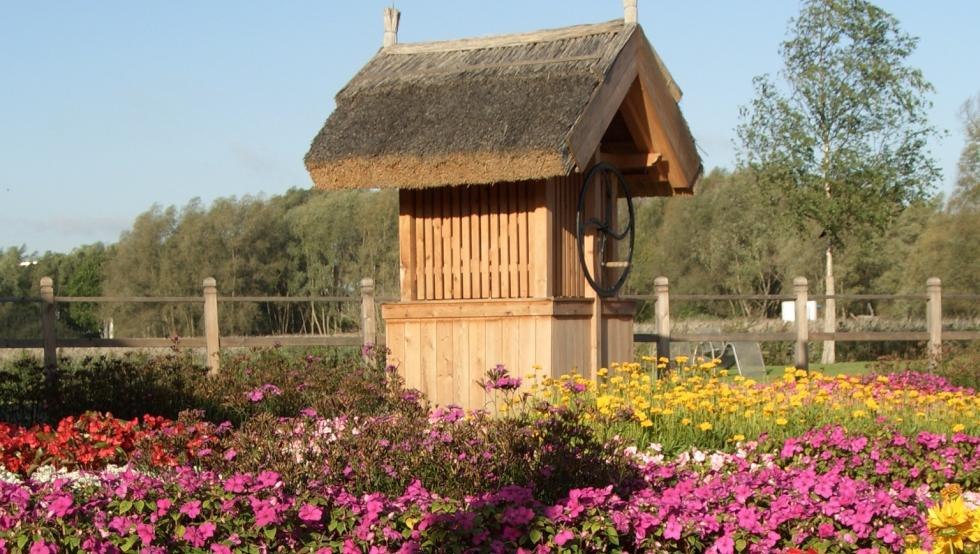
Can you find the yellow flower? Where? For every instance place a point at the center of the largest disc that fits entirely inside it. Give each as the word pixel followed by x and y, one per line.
pixel 781 421
pixel 686 421
pixel 950 524
pixel 858 413
pixel 738 438
pixel 705 426
pixel 959 427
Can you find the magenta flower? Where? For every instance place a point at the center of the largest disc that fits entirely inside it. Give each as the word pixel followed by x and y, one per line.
pixel 310 513
pixel 191 509
pixel 564 536
pixel 41 547
pixel 60 506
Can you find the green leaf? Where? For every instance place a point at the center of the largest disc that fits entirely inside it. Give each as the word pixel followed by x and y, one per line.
pixel 535 536
pixel 125 506
pixel 127 545
pixel 740 545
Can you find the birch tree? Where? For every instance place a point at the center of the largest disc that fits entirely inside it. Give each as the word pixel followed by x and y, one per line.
pixel 841 133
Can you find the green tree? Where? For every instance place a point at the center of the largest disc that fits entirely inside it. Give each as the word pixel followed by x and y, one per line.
pixel 949 247
pixel 843 136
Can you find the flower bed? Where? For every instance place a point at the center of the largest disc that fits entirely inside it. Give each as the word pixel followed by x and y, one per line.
pixel 543 477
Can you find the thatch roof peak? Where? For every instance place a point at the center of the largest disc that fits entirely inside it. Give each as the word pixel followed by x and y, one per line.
pixel 471 111
pixel 512 39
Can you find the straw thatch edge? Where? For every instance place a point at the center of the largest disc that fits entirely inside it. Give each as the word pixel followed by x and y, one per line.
pixel 415 172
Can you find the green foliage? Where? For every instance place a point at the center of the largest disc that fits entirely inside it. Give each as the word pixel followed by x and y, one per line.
pixel 331 381
pixel 843 140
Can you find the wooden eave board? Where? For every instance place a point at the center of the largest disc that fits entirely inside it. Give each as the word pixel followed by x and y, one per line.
pixel 669 132
pixel 676 142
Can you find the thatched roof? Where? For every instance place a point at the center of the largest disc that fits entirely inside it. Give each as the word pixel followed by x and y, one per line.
pixel 473 111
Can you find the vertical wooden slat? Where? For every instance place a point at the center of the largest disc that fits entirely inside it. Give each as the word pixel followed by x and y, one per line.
pixel 526 341
pixel 474 226
pixel 430 258
pixel 443 392
pixel 420 261
pixel 510 337
pixel 456 244
pixel 413 355
pixel 395 342
pixel 503 271
pixel 513 238
pixel 447 244
pixel 438 268
pixel 478 361
pixel 485 289
pixel 462 370
pixel 494 216
pixel 406 244
pixel 428 359
pixel 522 244
pixel 493 345
pixel 542 256
pixel 466 259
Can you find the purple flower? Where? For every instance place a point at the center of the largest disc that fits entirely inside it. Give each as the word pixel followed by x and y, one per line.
pixel 60 506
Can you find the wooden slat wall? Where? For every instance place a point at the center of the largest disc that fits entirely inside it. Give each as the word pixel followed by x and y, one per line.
pixel 569 281
pixel 444 358
pixel 472 242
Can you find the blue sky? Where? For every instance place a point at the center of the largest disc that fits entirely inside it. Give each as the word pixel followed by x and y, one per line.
pixel 109 107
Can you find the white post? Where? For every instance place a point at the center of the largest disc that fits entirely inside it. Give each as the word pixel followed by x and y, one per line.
pixel 391 17
pixel 629 12
pixel 802 324
pixel 369 327
pixel 48 314
pixel 211 335
pixel 934 319
pixel 661 289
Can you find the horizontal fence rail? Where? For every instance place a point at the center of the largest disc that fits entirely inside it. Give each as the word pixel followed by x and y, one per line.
pixel 212 340
pixel 801 334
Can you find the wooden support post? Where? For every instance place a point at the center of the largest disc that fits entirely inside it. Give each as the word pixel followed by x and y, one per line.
pixel 934 320
pixel 369 330
pixel 661 288
pixel 48 313
pixel 212 337
pixel 800 350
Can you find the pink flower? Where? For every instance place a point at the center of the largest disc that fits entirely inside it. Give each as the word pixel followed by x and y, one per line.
pixel 60 506
pixel 564 536
pixel 310 513
pixel 41 547
pixel 191 509
pixel 230 454
pixel 673 529
pixel 218 548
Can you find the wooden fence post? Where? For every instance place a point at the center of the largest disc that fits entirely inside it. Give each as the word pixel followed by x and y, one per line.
pixel 212 337
pixel 661 288
pixel 934 320
pixel 800 350
pixel 369 328
pixel 49 336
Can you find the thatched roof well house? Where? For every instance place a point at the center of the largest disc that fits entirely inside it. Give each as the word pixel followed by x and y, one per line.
pixel 502 109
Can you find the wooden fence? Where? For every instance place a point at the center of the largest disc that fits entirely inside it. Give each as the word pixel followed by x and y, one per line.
pixel 212 340
pixel 801 335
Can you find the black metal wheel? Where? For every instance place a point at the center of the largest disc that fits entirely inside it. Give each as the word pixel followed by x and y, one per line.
pixel 613 227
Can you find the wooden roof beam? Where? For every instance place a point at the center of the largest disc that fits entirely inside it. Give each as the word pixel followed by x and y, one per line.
pixel 587 131
pixel 627 162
